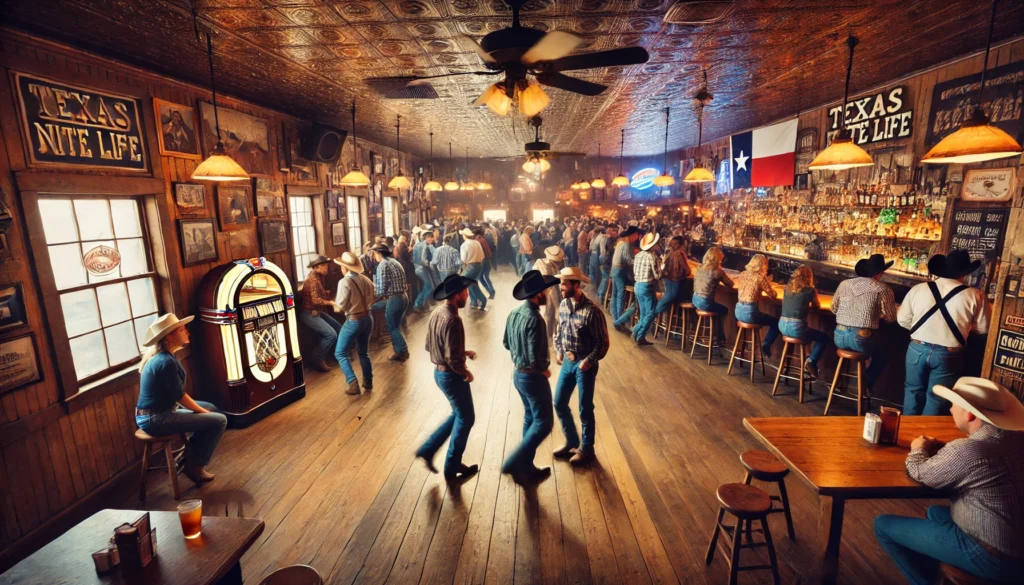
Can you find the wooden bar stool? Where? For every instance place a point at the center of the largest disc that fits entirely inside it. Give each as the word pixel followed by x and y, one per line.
pixel 704 318
pixel 741 346
pixel 847 357
pixel 682 310
pixel 950 575
pixel 294 575
pixel 763 466
pixel 607 300
pixel 785 363
pixel 747 504
pixel 630 299
pixel 152 445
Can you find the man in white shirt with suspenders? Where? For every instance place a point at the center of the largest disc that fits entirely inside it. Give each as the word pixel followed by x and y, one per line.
pixel 940 314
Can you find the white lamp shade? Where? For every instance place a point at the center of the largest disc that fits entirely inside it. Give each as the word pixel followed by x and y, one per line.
pixel 219 167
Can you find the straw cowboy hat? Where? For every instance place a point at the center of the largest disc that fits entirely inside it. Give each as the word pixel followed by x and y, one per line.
pixel 416 230
pixel 572 273
pixel 554 254
pixel 350 261
pixel 321 259
pixel 986 400
pixel 533 283
pixel 869 267
pixel 956 264
pixel 466 232
pixel 649 241
pixel 163 326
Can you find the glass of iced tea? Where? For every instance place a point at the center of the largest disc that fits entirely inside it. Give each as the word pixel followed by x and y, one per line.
pixel 190 513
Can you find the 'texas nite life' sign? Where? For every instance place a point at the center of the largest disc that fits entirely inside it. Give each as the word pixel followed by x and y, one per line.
pixel 643 179
pixel 875 118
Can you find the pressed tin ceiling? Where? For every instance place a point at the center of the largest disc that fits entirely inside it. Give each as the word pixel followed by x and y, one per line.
pixel 765 60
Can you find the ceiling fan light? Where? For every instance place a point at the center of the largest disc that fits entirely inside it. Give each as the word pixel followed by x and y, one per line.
pixel 545 166
pixel 219 167
pixel 355 178
pixel 532 100
pixel 432 186
pixel 399 181
pixel 842 154
pixel 977 140
pixel 699 175
pixel 599 183
pixel 620 181
pixel 494 98
pixel 531 165
pixel 451 186
pixel 584 186
pixel 664 180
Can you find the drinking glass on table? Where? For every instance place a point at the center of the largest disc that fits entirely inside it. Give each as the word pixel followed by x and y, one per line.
pixel 190 513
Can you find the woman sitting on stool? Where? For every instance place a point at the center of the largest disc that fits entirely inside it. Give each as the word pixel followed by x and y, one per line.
pixel 799 298
pixel 705 283
pixel 162 388
pixel 751 284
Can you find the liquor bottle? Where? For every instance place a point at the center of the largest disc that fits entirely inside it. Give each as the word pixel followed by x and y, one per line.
pixel 874 199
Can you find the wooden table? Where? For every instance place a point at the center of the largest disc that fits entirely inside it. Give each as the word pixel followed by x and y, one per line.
pixel 830 456
pixel 202 561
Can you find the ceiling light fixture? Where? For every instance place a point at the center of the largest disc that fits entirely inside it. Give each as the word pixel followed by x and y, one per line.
pixel 432 185
pixel 536 164
pixel 451 185
pixel 977 139
pixel 528 97
pixel 399 181
pixel 598 182
pixel 621 180
pixel 494 98
pixel 700 174
pixel 842 153
pixel 665 179
pixel 355 177
pixel 218 166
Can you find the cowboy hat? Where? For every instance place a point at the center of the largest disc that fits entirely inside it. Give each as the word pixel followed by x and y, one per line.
pixel 956 264
pixel 631 230
pixel 869 267
pixel 382 249
pixel 350 261
pixel 321 259
pixel 532 283
pixel 986 400
pixel 451 286
pixel 466 232
pixel 163 326
pixel 572 273
pixel 554 253
pixel 416 229
pixel 649 241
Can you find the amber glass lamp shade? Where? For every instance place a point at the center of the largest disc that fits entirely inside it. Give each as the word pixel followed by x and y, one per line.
pixel 219 167
pixel 399 181
pixel 495 99
pixel 664 180
pixel 620 181
pixel 355 178
pixel 698 175
pixel 451 186
pixel 584 186
pixel 977 140
pixel 842 154
pixel 599 183
pixel 432 185
pixel 532 100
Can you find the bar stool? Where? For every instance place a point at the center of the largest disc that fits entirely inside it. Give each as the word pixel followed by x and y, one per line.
pixel 747 504
pixel 950 575
pixel 153 445
pixel 763 466
pixel 785 363
pixel 666 322
pixel 294 575
pixel 847 357
pixel 741 346
pixel 630 299
pixel 704 318
pixel 607 301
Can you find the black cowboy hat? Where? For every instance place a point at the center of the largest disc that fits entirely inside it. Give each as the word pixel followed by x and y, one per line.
pixel 869 267
pixel 382 249
pixel 532 283
pixel 956 264
pixel 631 230
pixel 321 259
pixel 453 285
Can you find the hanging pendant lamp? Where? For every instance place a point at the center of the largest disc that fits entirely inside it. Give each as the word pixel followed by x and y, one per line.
pixel 621 180
pixel 699 174
pixel 451 185
pixel 843 154
pixel 977 139
pixel 355 177
pixel 598 183
pixel 467 185
pixel 665 179
pixel 218 166
pixel 399 181
pixel 432 185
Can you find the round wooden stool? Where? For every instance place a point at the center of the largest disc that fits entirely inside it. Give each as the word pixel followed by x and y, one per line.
pixel 152 445
pixel 666 322
pixel 785 363
pixel 847 357
pixel 763 466
pixel 628 302
pixel 950 575
pixel 294 575
pixel 704 318
pixel 746 503
pixel 741 347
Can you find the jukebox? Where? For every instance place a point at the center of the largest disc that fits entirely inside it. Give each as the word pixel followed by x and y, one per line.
pixel 249 343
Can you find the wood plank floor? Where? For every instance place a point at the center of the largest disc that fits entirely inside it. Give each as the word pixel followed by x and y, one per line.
pixel 335 480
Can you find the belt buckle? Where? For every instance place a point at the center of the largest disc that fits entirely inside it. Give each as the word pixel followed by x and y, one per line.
pixel 571 356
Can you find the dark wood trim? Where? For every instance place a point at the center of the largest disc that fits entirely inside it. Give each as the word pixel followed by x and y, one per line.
pixel 11 432
pixel 302 190
pixel 114 383
pixel 71 183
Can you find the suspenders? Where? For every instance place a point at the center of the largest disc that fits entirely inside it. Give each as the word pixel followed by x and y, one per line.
pixel 940 305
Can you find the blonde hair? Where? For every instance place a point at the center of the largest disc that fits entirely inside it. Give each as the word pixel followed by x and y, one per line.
pixel 712 258
pixel 151 352
pixel 758 264
pixel 802 278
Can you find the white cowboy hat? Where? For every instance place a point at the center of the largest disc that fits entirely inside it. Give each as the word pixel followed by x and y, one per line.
pixel 162 326
pixel 649 241
pixel 416 229
pixel 572 273
pixel 466 232
pixel 350 261
pixel 554 253
pixel 986 400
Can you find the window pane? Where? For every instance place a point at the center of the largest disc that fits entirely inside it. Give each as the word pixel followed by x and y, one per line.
pixel 81 314
pixel 141 324
pixel 121 344
pixel 58 220
pixel 93 219
pixel 88 247
pixel 113 300
pixel 68 270
pixel 142 295
pixel 310 239
pixel 133 257
pixel 89 354
pixel 126 218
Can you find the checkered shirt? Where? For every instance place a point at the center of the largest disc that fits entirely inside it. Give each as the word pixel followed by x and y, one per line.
pixel 581 330
pixel 447 259
pixel 390 279
pixel 861 302
pixel 645 267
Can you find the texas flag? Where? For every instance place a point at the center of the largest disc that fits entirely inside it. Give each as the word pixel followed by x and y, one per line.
pixel 764 157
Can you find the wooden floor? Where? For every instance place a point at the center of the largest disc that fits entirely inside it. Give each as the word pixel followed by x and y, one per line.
pixel 335 480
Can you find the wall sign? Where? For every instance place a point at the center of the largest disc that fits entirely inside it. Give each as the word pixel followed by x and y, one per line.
pixel 643 179
pixel 875 118
pixel 102 260
pixel 67 125
pixel 1015 320
pixel 954 100
pixel 1010 353
pixel 19 364
pixel 989 185
pixel 981 232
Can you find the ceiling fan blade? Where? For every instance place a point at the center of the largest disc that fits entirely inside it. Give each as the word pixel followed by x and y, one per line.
pixel 611 58
pixel 571 84
pixel 484 55
pixel 555 154
pixel 554 45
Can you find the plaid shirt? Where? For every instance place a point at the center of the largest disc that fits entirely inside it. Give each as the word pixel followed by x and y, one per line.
pixel 422 254
pixel 984 478
pixel 581 330
pixel 526 338
pixel 314 297
pixel 677 267
pixel 861 302
pixel 751 285
pixel 390 279
pixel 623 255
pixel 645 267
pixel 447 259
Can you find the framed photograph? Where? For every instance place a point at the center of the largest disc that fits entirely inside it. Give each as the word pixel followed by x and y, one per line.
pixel 246 138
pixel 177 135
pixel 19 363
pixel 234 207
pixel 301 170
pixel 273 235
pixel 989 185
pixel 12 307
pixel 338 233
pixel 332 214
pixel 190 198
pixel 269 198
pixel 198 241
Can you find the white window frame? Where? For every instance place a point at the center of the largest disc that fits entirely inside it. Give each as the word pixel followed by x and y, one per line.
pixel 301 251
pixel 354 218
pixel 390 219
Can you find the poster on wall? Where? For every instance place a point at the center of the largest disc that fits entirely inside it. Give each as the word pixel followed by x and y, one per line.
pixel 74 126
pixel 1009 355
pixel 19 363
pixel 12 307
pixel 246 138
pixel 954 100
pixel 177 129
pixel 990 185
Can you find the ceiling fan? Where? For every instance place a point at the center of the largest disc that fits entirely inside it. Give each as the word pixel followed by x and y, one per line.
pixel 539 153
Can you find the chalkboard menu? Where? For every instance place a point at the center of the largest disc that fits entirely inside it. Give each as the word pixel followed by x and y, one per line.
pixel 1010 354
pixel 981 232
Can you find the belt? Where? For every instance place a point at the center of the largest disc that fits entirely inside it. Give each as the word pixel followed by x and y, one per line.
pixel 926 344
pixel 355 316
pixel 150 411
pixel 851 328
pixel 528 371
pixel 442 368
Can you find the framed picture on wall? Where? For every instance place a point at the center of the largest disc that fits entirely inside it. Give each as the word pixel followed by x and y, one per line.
pixel 198 241
pixel 20 363
pixel 989 185
pixel 273 235
pixel 338 233
pixel 177 135
pixel 234 207
pixel 246 138
pixel 332 214
pixel 190 198
pixel 269 198
pixel 12 307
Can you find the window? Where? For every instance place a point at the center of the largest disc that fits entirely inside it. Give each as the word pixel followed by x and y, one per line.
pixel 543 214
pixel 99 254
pixel 495 215
pixel 355 224
pixel 389 216
pixel 303 235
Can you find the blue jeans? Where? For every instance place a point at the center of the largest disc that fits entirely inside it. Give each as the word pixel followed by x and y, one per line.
pixel 917 545
pixel 355 332
pixel 427 285
pixel 456 390
pixel 569 377
pixel 595 269
pixel 709 305
pixel 850 338
pixel 928 365
pixel 751 313
pixel 326 327
pixel 646 300
pixel 516 262
pixel 476 296
pixel 800 329
pixel 620 278
pixel 602 287
pixel 206 428
pixel 676 291
pixel 485 277
pixel 445 275
pixel 538 419
pixel 394 308
pixel 584 263
pixel 524 259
